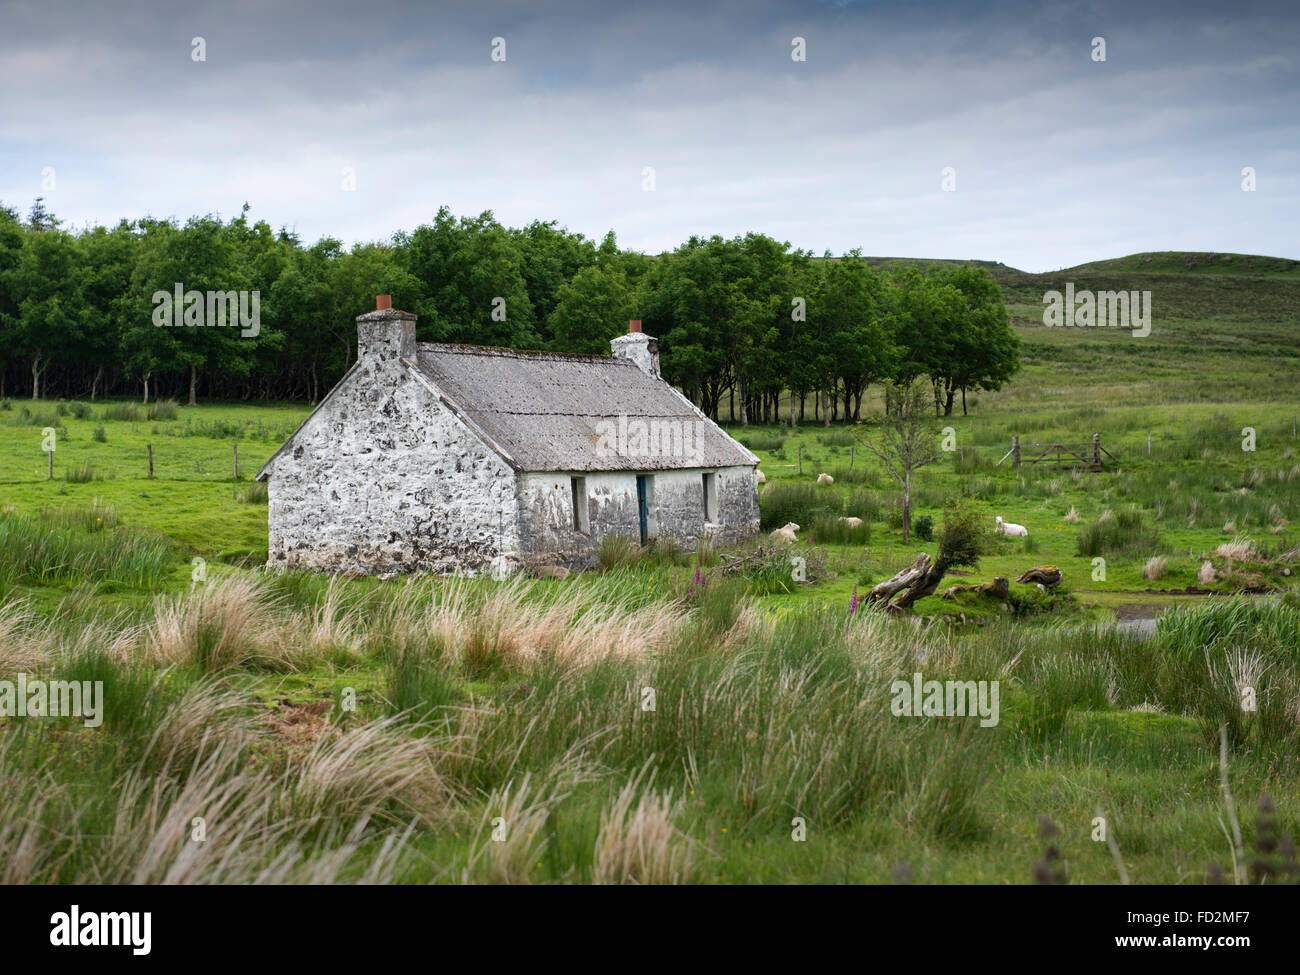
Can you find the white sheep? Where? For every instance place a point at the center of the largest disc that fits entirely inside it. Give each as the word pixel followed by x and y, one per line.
pixel 785 534
pixel 851 522
pixel 825 479
pixel 762 479
pixel 1007 528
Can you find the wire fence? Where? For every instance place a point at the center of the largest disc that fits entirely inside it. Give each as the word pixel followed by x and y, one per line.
pixel 163 459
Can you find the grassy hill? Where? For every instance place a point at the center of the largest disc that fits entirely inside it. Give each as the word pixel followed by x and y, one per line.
pixel 1194 262
pixel 1229 335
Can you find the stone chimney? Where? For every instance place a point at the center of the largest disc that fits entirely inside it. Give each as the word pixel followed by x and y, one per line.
pixel 385 334
pixel 636 346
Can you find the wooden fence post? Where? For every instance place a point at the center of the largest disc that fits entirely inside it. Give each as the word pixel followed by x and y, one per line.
pixel 1015 451
pixel 50 454
pixel 149 447
pixel 801 458
pixel 1096 451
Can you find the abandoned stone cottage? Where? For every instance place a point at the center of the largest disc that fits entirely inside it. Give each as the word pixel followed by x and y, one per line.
pixel 464 459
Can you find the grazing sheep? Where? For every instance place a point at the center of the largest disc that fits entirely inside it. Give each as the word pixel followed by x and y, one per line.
pixel 762 479
pixel 1007 528
pixel 825 479
pixel 783 535
pixel 851 522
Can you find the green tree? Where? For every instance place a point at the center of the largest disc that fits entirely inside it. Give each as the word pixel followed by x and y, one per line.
pixel 983 353
pixel 45 285
pixel 593 308
pixel 473 281
pixel 11 246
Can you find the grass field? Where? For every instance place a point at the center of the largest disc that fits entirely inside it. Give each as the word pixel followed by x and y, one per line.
pixel 469 730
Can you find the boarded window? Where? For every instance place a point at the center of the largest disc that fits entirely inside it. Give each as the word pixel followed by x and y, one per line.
pixel 711 498
pixel 581 518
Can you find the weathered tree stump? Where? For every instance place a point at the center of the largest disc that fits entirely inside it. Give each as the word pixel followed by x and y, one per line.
pixel 919 579
pixel 1047 575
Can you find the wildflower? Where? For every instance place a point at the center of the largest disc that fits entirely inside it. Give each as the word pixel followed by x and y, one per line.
pixel 853 603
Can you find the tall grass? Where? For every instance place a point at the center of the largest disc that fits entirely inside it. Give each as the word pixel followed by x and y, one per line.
pixel 834 530
pixel 1124 532
pixel 37 416
pixel 163 409
pixel 524 703
pixel 761 439
pixel 51 552
pixel 129 412
pixel 781 503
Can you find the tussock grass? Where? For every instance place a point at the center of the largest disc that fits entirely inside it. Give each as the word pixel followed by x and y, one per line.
pixel 125 412
pixel 82 473
pixel 503 734
pixel 638 843
pixel 164 409
pixel 760 439
pixel 37 416
pixel 781 503
pixel 255 493
pixel 1240 549
pixel 831 530
pixel 521 623
pixel 1118 533
pixel 65 549
pixel 222 624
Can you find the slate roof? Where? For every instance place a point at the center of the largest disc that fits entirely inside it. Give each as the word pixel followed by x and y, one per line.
pixel 542 409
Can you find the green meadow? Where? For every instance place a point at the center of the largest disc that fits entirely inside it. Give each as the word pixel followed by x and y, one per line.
pixel 633 725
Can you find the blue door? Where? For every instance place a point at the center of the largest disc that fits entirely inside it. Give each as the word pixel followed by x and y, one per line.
pixel 641 513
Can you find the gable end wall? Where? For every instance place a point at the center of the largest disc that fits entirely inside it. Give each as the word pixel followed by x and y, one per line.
pixel 384 478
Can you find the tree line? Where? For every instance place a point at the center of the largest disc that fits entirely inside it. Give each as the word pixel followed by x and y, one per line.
pixel 744 324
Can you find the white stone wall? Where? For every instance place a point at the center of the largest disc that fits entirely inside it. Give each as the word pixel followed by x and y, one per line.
pixel 677 509
pixel 384 478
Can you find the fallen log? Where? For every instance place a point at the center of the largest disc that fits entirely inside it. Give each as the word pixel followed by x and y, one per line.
pixel 999 588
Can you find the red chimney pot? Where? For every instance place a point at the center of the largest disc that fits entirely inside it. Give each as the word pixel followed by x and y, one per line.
pixel 634 325
pixel 383 302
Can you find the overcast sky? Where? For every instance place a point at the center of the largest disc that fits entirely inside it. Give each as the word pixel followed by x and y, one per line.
pixel 1058 158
